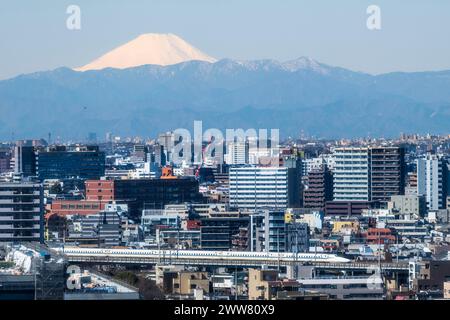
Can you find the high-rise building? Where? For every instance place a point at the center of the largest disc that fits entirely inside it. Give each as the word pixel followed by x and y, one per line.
pixel 21 212
pixel 255 187
pixel 237 153
pixel 431 180
pixel 25 158
pixel 295 166
pixel 274 231
pixel 319 188
pixel 387 172
pixel 60 162
pixel 351 180
pixel 5 160
pixel 368 174
pixel 158 156
pixel 167 141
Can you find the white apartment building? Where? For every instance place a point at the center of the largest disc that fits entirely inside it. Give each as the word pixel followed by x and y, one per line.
pixel 255 187
pixel 351 174
pixel 316 163
pixel 430 182
pixel 237 153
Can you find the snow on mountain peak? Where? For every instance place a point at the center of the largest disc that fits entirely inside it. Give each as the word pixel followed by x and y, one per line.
pixel 304 63
pixel 150 48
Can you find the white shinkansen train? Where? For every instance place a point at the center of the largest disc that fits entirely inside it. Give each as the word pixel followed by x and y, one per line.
pixel 199 254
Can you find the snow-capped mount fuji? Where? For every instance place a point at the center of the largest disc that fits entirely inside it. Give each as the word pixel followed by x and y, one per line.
pixel 150 48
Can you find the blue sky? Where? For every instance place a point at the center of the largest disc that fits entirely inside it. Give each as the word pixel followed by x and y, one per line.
pixel 415 34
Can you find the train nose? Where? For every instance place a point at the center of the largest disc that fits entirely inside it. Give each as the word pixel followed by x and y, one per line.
pixel 341 259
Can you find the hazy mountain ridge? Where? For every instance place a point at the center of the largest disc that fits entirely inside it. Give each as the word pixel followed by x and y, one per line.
pixel 295 95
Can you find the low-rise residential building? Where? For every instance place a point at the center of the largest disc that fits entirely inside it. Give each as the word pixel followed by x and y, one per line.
pixel 185 282
pixel 410 206
pixel 347 288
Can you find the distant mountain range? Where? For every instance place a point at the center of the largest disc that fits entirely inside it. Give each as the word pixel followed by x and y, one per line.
pixel 293 96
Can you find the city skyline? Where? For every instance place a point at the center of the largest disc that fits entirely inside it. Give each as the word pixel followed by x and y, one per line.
pixel 203 154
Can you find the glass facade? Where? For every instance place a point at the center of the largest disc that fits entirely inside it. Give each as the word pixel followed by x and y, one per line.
pixel 70 164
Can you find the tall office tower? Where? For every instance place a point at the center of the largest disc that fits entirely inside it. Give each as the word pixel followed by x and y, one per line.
pixel 60 162
pixel 25 158
pixel 387 172
pixel 21 212
pixel 5 160
pixel 158 157
pixel 167 140
pixel 351 180
pixel 253 187
pixel 237 153
pixel 295 165
pixel 319 188
pixel 432 171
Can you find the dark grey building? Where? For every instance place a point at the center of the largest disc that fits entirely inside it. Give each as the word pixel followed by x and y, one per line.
pixel 61 162
pixel 21 212
pixel 5 159
pixel 297 237
pixel 387 172
pixel 319 188
pixel 274 231
pixel 105 226
pixel 142 194
pixel 25 158
pixel 218 233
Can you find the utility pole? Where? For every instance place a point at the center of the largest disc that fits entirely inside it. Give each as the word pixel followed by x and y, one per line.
pixel 296 253
pixel 278 248
pixel 35 284
pixel 214 276
pixel 235 283
pixel 379 252
pixel 178 237
pixel 396 237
